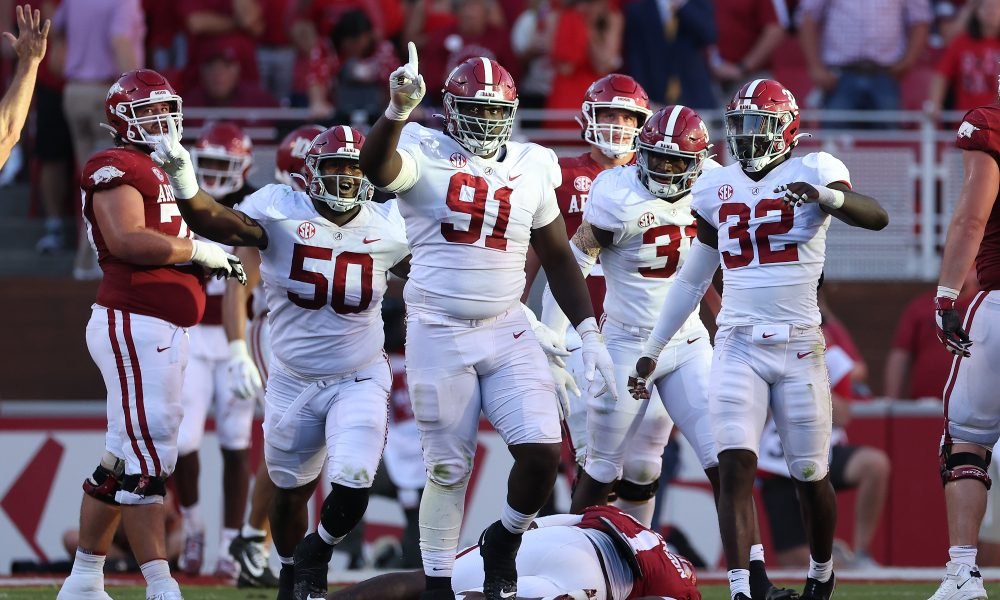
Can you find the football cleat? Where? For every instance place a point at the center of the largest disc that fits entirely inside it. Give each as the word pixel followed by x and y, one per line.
pixel 286 582
pixel 80 587
pixel 961 582
pixel 250 555
pixel 819 590
pixel 193 553
pixel 171 595
pixel 312 562
pixel 499 562
pixel 761 587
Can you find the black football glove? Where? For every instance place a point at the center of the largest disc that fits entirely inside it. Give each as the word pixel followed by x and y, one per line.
pixel 949 327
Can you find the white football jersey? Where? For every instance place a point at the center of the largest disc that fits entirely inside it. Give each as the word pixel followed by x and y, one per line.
pixel 772 254
pixel 651 240
pixel 469 221
pixel 323 283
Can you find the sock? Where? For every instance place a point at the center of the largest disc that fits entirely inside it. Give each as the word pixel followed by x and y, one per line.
pixel 441 511
pixel 251 532
pixel 515 522
pixel 88 564
pixel 965 555
pixel 435 582
pixel 156 572
pixel 640 511
pixel 739 582
pixel 286 560
pixel 192 520
pixel 820 571
pixel 326 537
pixel 227 537
pixel 757 552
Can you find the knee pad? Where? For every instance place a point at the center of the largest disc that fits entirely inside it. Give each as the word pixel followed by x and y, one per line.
pixel 449 475
pixel 106 480
pixel 141 489
pixel 637 492
pixel 343 508
pixel 964 465
pixel 805 469
pixel 602 470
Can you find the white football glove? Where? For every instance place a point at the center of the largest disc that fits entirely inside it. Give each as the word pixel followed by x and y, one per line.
pixel 596 357
pixel 406 88
pixel 221 263
pixel 565 385
pixel 551 342
pixel 244 379
pixel 176 161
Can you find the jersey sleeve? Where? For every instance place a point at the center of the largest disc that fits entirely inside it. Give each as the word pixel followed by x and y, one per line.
pixel 829 168
pixel 702 202
pixel 410 153
pixel 261 205
pixel 548 208
pixel 106 171
pixel 600 210
pixel 975 133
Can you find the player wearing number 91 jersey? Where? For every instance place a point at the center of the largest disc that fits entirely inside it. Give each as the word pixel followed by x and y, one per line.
pixel 765 219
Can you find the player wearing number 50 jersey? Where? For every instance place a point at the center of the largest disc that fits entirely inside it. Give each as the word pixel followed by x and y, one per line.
pixel 473 201
pixel 765 219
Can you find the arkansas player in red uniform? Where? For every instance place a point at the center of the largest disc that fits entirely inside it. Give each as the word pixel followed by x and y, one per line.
pixel 971 411
pixel 601 554
pixel 151 292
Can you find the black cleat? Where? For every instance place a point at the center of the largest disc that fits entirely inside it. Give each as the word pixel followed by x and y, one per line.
pixel 437 595
pixel 817 590
pixel 761 587
pixel 740 596
pixel 498 547
pixel 250 554
pixel 312 562
pixel 286 582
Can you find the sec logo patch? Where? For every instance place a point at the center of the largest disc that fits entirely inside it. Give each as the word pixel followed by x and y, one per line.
pixel 582 183
pixel 458 160
pixel 307 230
pixel 725 192
pixel 646 219
pixel 159 174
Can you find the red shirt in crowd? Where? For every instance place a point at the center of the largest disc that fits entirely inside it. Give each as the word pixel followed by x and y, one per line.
pixel 278 17
pixel 163 23
pixel 242 44
pixel 916 334
pixel 570 58
pixel 971 67
pixel 446 48
pixel 386 15
pixel 739 23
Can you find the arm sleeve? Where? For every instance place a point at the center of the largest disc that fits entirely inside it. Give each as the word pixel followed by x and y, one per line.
pixel 552 316
pixel 408 150
pixel 684 295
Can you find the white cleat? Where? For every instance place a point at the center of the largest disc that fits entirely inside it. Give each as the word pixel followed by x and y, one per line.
pixel 165 596
pixel 164 590
pixel 83 588
pixel 961 582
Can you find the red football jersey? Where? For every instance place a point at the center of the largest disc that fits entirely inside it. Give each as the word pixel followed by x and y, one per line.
pixel 578 172
pixel 169 292
pixel 980 130
pixel 664 574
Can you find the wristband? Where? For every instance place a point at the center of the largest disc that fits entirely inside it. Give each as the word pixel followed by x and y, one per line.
pixel 588 325
pixel 831 198
pixel 394 114
pixel 947 292
pixel 653 347
pixel 185 184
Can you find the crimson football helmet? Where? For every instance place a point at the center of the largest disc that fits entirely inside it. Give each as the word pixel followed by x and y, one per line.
pixel 222 158
pixel 673 132
pixel 472 87
pixel 290 160
pixel 762 124
pixel 131 92
pixel 620 92
pixel 343 143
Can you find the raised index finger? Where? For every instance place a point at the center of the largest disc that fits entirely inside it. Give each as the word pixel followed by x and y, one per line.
pixel 412 50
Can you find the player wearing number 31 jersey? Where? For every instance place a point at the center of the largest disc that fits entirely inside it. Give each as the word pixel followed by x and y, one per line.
pixel 473 201
pixel 765 219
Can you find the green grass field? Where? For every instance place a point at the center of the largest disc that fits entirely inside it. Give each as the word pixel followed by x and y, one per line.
pixel 847 591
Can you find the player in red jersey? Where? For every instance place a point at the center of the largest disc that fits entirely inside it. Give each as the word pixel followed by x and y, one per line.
pixel 600 554
pixel 151 292
pixel 971 412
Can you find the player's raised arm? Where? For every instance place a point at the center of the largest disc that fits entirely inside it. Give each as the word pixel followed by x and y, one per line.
pixel 380 161
pixel 839 200
pixel 200 211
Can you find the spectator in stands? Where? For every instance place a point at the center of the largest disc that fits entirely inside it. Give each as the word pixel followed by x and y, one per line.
pixel 970 64
pixel 314 70
pixel 365 64
pixel 475 33
pixel 165 44
pixel 29 45
pixel 221 85
pixel 425 16
pixel 857 50
pixel 235 24
pixel 387 16
pixel 666 44
pixel 586 45
pixel 103 38
pixel 918 365
pixel 275 52
pixel 531 39
pixel 748 33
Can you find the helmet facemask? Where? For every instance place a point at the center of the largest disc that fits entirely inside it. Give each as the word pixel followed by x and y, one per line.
pixel 218 172
pixel 138 131
pixel 479 135
pixel 348 191
pixel 664 185
pixel 756 137
pixel 614 140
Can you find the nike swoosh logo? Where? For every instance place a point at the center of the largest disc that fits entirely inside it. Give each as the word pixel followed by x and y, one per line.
pixel 368 241
pixel 254 570
pixel 519 333
pixel 959 586
pixel 158 349
pixel 507 594
pixel 356 380
pixel 804 354
pixel 513 177
pixel 768 335
pixel 694 340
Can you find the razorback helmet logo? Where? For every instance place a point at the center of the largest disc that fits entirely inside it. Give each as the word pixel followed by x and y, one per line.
pixel 290 159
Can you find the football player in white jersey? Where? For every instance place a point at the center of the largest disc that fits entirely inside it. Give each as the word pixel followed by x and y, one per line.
pixel 249 358
pixel 765 219
pixel 472 201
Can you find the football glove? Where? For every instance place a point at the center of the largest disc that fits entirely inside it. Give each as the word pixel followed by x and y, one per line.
pixel 949 326
pixel 406 88
pixel 799 193
pixel 176 162
pixel 565 385
pixel 219 262
pixel 244 379
pixel 596 358
pixel 638 379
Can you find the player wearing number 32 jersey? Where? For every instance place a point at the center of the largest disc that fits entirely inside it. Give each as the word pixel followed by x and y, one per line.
pixel 473 201
pixel 765 219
